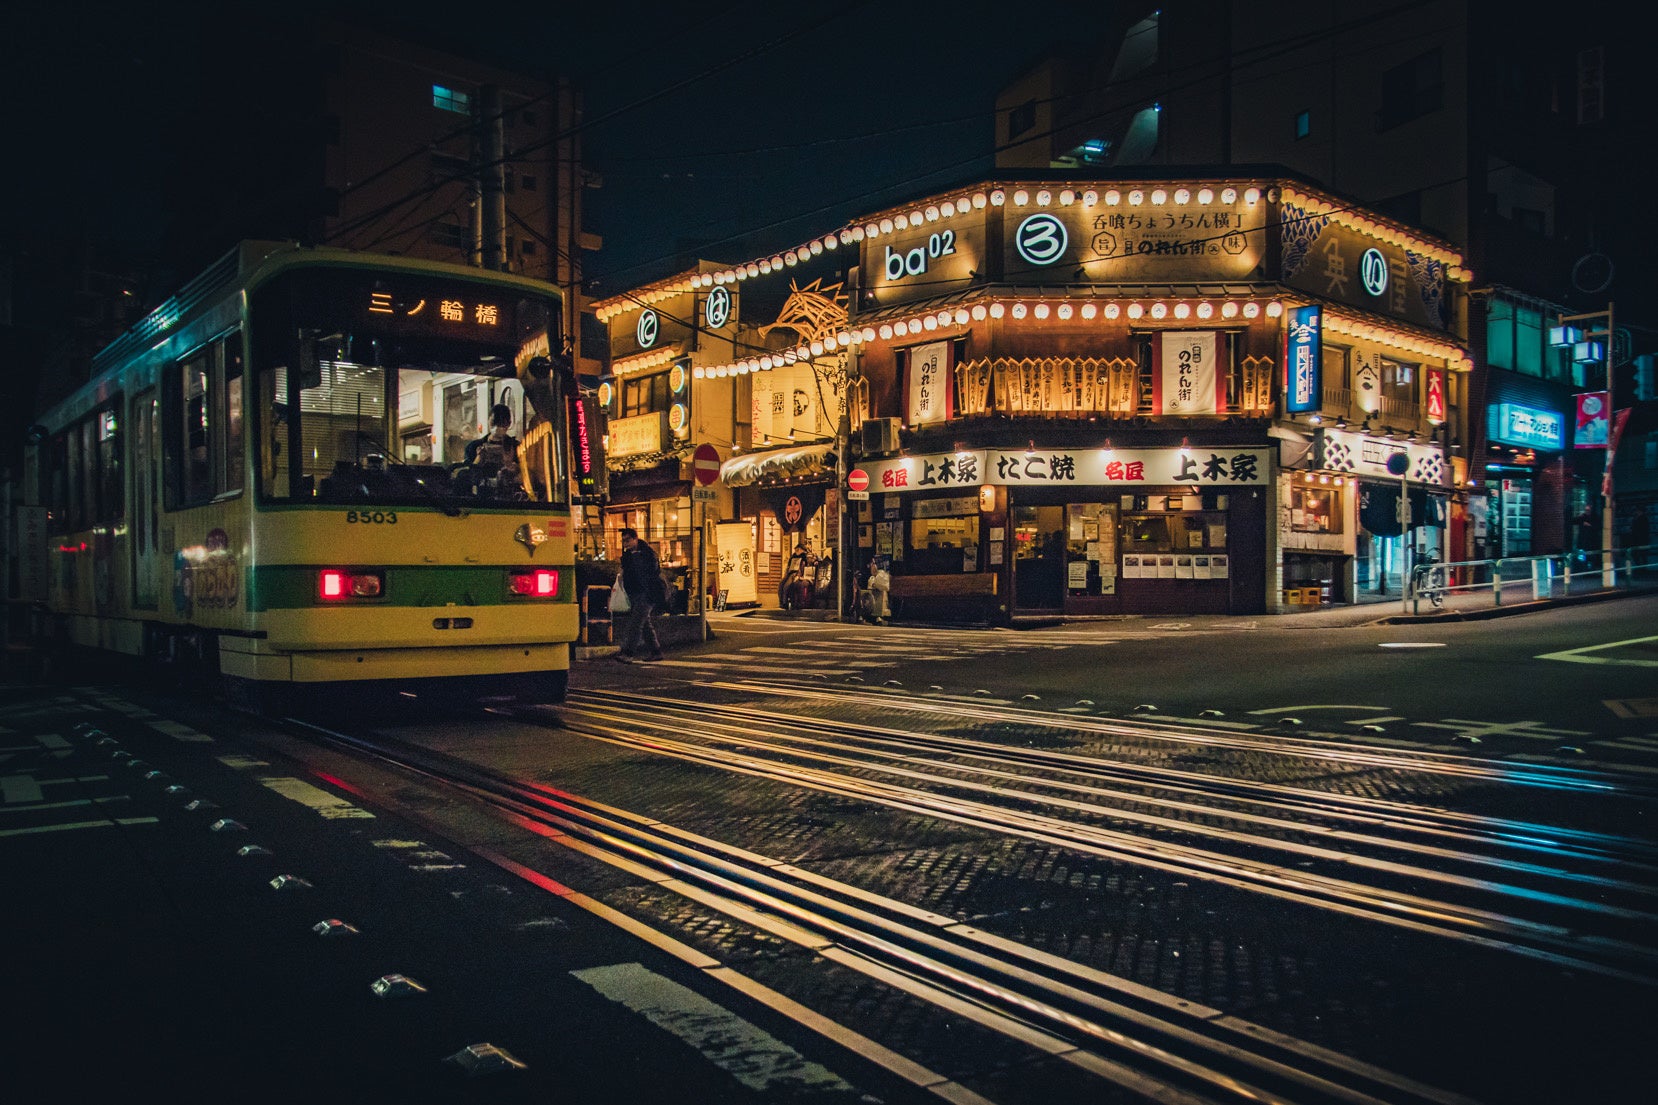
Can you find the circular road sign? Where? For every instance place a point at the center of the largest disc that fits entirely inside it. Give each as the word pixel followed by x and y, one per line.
pixel 705 465
pixel 857 480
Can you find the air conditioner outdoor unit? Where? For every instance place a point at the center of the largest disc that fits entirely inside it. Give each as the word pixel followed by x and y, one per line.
pixel 880 435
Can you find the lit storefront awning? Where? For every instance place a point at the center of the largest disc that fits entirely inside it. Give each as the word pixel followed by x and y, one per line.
pixel 778 464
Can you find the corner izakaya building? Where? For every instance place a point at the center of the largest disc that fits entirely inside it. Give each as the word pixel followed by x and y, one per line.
pixel 1089 397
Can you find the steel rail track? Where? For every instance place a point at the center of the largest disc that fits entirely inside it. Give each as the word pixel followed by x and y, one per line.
pixel 1158 1047
pixel 1098 776
pixel 1544 939
pixel 1330 747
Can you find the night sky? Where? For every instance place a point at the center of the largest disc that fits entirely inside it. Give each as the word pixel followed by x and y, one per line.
pixel 726 130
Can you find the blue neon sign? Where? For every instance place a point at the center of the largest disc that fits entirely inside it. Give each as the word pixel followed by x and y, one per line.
pixel 1304 360
pixel 1513 424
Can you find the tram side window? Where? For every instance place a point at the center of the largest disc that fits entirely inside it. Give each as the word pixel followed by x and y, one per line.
pixel 197 484
pixel 85 489
pixel 228 351
pixel 111 488
pixel 203 424
pixel 55 475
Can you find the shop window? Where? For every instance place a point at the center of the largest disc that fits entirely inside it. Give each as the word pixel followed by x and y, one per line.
pixel 645 394
pixel 1021 119
pixel 1499 334
pixel 1411 90
pixel 1315 509
pixel 948 544
pixel 451 99
pixel 1398 388
pixel 1180 536
pixel 1091 548
pixel 1174 523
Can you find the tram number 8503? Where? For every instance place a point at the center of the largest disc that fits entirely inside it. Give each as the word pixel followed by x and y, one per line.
pixel 374 517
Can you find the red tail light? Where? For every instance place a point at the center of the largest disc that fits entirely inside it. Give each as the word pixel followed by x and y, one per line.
pixel 337 584
pixel 539 583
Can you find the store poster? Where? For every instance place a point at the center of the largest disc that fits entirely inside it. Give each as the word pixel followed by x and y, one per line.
pixel 1184 376
pixel 735 544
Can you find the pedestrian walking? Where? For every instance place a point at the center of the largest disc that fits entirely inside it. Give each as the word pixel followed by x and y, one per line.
pixel 641 579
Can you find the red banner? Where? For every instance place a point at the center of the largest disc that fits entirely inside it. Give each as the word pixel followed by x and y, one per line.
pixel 1436 395
pixel 1618 420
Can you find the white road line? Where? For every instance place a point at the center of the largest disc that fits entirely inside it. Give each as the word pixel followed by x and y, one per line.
pixel 72 825
pixel 74 802
pixel 750 668
pixel 1298 709
pixel 330 806
pixel 1577 655
pixel 19 788
pixel 748 1053
pixel 1210 722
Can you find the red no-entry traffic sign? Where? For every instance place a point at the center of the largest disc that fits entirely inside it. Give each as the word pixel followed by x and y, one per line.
pixel 705 465
pixel 857 480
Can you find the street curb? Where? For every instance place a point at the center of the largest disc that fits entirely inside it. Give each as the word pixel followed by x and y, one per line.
pixel 1486 613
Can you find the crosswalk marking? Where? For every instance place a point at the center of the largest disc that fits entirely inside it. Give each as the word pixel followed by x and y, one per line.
pixel 180 732
pixel 743 1050
pixel 840 654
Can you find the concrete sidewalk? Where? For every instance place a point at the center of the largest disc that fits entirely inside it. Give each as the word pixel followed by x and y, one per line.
pixel 1468 605
pixel 1472 605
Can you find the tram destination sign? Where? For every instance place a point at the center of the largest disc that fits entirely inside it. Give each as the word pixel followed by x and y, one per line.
pixel 381 303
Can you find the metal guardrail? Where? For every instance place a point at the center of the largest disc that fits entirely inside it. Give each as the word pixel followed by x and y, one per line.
pixel 1537 578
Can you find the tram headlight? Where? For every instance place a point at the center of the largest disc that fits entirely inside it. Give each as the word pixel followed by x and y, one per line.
pixel 340 584
pixel 538 583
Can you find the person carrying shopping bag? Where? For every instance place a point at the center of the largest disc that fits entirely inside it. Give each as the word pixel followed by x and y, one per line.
pixel 641 580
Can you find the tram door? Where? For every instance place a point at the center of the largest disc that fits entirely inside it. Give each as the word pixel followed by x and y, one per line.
pixel 145 508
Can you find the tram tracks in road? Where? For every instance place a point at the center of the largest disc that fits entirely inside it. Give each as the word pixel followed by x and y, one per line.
pixel 1568 898
pixel 1155 1046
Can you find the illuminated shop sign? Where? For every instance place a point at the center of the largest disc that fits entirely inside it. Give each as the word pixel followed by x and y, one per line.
pixel 1195 467
pixel 925 260
pixel 1336 262
pixel 666 323
pixel 585 452
pixel 929 383
pixel 640 433
pixel 1303 357
pixel 647 329
pixel 1154 233
pixel 1363 455
pixel 1513 424
pixel 716 308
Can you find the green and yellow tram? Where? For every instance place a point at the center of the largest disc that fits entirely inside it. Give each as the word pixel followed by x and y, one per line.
pixel 269 475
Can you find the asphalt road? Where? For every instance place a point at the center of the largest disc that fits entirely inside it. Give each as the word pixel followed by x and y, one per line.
pixel 154 947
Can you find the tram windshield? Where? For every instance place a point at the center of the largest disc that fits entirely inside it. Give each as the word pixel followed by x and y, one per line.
pixel 403 391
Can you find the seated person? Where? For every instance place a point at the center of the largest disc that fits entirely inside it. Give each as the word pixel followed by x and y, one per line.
pixel 497 447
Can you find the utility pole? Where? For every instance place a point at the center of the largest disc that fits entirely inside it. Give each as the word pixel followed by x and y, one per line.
pixel 1608 509
pixel 492 190
pixel 843 442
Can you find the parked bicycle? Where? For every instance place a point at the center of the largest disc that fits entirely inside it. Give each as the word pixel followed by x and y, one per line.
pixel 1428 579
